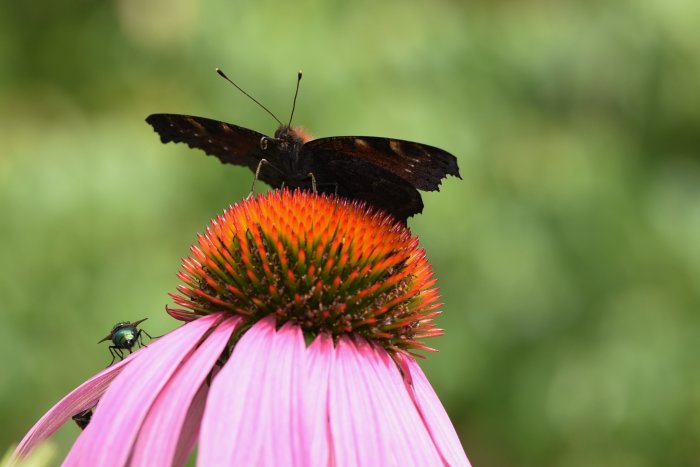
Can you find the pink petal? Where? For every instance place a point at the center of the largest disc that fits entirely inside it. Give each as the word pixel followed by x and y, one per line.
pixel 108 440
pixel 410 431
pixel 433 413
pixel 354 428
pixel 190 429
pixel 317 436
pixel 156 445
pixel 83 397
pixel 254 413
pixel 373 420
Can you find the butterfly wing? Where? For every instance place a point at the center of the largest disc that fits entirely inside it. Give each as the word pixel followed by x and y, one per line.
pixel 361 180
pixel 421 165
pixel 230 144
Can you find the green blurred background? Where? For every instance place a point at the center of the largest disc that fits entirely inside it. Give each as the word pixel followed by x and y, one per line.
pixel 568 256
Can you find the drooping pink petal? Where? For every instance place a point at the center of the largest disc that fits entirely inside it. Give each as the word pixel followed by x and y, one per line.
pixel 156 445
pixel 254 413
pixel 433 413
pixel 317 436
pixel 108 439
pixel 352 415
pixel 410 430
pixel 234 395
pixel 283 398
pixel 371 423
pixel 81 398
pixel 190 429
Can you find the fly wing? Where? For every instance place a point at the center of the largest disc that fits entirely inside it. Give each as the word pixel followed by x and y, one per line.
pixel 229 143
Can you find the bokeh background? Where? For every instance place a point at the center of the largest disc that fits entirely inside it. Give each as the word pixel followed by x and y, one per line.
pixel 568 256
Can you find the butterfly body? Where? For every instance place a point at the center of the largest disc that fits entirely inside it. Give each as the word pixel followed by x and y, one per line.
pixel 383 172
pixel 286 149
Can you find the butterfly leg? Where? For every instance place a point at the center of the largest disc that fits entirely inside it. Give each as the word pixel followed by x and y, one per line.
pixel 313 183
pixel 255 177
pixel 333 184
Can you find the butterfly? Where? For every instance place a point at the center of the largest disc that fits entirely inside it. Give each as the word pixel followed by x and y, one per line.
pixel 383 172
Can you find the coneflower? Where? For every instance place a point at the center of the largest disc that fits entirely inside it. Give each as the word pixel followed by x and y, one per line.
pixel 302 317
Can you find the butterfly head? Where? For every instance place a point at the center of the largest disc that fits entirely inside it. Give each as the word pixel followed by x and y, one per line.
pixel 292 135
pixel 286 140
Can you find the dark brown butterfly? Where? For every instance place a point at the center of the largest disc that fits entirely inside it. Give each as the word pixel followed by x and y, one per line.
pixel 383 172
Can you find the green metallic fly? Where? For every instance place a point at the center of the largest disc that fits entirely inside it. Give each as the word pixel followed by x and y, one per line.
pixel 124 336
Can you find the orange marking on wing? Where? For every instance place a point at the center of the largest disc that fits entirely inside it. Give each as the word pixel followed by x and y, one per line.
pixel 196 125
pixel 361 143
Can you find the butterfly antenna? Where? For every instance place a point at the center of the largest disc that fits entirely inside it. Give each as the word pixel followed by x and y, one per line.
pixel 223 75
pixel 294 102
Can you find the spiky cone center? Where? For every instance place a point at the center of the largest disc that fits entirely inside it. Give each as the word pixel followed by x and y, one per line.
pixel 322 262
